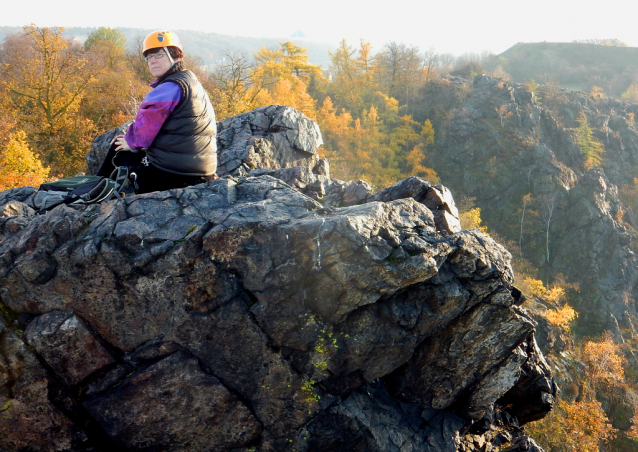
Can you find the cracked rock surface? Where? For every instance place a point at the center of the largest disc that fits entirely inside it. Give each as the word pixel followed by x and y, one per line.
pixel 272 311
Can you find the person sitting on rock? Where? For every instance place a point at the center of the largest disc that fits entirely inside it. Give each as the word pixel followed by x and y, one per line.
pixel 175 125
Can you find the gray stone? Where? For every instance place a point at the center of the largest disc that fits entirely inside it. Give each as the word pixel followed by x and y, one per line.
pixel 271 137
pixel 525 444
pixel 68 345
pixel 16 208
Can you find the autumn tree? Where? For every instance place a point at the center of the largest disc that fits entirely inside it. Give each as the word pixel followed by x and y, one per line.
pixel 352 76
pixel 337 132
pixel 631 93
pixel 282 77
pixel 574 426
pixel 591 150
pixel 597 92
pixel 604 362
pixel 44 79
pixel 471 219
pixel 401 72
pixel 430 61
pixel 583 424
pixel 19 166
pixel 417 158
pixel 284 63
pixel 135 59
pixel 503 112
pixel 232 88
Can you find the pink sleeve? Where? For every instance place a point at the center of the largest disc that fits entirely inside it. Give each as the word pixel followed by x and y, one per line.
pixel 154 109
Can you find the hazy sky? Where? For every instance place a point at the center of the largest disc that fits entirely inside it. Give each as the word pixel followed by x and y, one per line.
pixel 448 26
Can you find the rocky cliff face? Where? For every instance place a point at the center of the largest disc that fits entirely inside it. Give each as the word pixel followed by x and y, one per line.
pixel 273 309
pixel 502 143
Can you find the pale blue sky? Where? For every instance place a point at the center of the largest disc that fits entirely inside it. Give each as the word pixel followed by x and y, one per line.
pixel 455 26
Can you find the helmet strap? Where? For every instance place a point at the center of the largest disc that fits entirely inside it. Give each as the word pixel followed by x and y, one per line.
pixel 170 58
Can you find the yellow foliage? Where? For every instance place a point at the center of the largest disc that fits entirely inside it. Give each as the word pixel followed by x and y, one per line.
pixel 536 287
pixel 285 63
pixel 591 150
pixel 631 95
pixel 561 317
pixel 427 132
pixel 415 159
pixel 19 166
pixel 555 294
pixel 597 92
pixel 573 426
pixel 290 92
pixel 472 220
pixel 44 79
pixel 604 361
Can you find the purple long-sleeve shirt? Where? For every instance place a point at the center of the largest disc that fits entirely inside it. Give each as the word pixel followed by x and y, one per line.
pixel 154 110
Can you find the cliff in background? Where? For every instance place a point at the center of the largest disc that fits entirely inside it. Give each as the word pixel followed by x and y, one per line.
pixel 273 309
pixel 500 144
pixel 515 153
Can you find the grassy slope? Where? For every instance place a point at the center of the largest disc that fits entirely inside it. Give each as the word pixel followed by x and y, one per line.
pixel 577 54
pixel 578 66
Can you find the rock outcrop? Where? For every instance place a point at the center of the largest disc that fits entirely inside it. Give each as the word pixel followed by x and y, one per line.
pixel 582 228
pixel 273 309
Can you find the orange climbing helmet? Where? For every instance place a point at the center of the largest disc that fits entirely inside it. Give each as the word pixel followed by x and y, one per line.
pixel 161 38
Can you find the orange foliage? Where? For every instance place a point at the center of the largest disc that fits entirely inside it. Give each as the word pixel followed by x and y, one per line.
pixel 574 426
pixel 604 361
pixel 288 92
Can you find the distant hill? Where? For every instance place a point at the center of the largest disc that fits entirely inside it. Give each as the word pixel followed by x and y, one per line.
pixel 572 65
pixel 210 47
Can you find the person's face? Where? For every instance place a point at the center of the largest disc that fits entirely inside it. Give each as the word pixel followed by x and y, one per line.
pixel 158 66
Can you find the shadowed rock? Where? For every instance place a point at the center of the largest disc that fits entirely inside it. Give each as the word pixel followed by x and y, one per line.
pixel 29 419
pixel 173 405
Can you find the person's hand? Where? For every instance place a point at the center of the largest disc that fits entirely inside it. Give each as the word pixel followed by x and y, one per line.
pixel 121 143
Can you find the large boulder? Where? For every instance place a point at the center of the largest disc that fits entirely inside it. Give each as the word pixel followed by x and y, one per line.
pixel 244 314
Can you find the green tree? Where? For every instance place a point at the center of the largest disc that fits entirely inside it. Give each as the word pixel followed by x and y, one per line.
pixel 106 34
pixel 108 42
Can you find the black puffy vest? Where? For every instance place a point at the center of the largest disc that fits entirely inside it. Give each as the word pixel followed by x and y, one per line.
pixel 186 143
